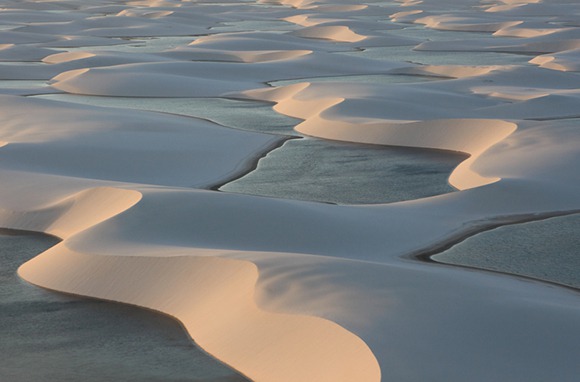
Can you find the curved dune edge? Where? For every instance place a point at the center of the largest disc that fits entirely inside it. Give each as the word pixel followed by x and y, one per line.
pixel 452 23
pixel 73 214
pixel 410 314
pixel 212 297
pixel 448 71
pixel 270 55
pixel 334 33
pixel 470 136
pixel 58 58
pixel 566 61
pixel 444 134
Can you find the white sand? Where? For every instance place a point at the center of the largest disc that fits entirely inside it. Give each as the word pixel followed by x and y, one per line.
pixel 286 290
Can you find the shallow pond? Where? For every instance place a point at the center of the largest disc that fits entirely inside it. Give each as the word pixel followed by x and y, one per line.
pixel 546 250
pixel 347 173
pixel 243 115
pixel 308 168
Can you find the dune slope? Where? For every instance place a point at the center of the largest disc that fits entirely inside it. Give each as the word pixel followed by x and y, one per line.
pixel 286 290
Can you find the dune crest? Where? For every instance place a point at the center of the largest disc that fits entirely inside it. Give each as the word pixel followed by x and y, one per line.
pixel 214 299
pixel 449 71
pixel 75 213
pixel 322 120
pixel 334 33
pixel 453 135
pixel 286 290
pixel 66 56
pixel 566 61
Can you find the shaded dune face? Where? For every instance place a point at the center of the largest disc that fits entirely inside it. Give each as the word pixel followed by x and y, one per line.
pixel 286 290
pixel 213 297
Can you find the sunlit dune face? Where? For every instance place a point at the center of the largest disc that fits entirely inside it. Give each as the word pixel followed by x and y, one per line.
pixel 123 123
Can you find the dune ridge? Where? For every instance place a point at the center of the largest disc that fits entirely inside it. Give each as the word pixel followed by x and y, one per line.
pixel 75 213
pixel 444 134
pixel 289 290
pixel 195 290
pixel 214 299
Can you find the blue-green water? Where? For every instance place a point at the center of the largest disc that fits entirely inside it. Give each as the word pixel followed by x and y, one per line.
pixel 23 84
pixel 46 336
pixel 308 168
pixel 253 25
pixel 51 337
pixel 407 54
pixel 546 250
pixel 371 78
pixel 138 44
pixel 243 115
pixel 347 173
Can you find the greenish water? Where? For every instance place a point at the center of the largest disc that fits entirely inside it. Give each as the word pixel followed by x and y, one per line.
pixel 546 250
pixel 253 25
pixel 138 44
pixel 51 337
pixel 420 32
pixel 308 169
pixel 407 54
pixel 21 84
pixel 371 78
pixel 347 173
pixel 244 115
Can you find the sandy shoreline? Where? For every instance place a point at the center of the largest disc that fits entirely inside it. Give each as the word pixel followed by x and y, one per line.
pixel 34 322
pixel 286 290
pixel 254 165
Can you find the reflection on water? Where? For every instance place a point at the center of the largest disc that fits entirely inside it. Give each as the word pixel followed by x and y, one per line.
pixel 47 337
pixel 547 250
pixel 346 173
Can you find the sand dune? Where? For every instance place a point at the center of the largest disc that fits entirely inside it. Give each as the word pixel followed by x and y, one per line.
pixel 334 33
pixel 173 261
pixel 74 213
pixel 12 52
pixel 213 298
pixel 288 290
pixel 566 61
pixel 46 137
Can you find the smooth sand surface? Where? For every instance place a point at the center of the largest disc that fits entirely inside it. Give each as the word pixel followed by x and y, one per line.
pixel 287 290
